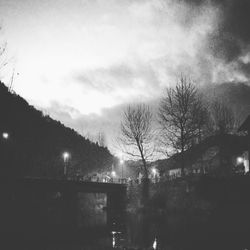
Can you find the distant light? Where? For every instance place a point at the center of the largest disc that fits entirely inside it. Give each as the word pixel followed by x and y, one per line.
pixel 121 161
pixel 113 239
pixel 154 171
pixel 240 160
pixel 5 135
pixel 66 156
pixel 155 244
pixel 113 173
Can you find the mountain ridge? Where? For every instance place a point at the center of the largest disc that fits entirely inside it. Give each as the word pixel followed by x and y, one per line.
pixel 36 142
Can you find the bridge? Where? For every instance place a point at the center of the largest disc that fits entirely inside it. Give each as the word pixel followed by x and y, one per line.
pixel 65 185
pixel 34 201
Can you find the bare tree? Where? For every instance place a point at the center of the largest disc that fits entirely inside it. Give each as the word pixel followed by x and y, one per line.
pixel 181 117
pixel 223 121
pixel 3 46
pixel 101 139
pixel 222 118
pixel 137 134
pixel 3 62
pixel 200 119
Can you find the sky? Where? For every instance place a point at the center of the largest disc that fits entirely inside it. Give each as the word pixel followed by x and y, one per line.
pixel 83 61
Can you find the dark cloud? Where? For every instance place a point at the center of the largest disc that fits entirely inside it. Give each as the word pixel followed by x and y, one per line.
pixel 237 19
pixel 198 3
pixel 231 37
pixel 244 68
pixel 233 32
pixel 224 46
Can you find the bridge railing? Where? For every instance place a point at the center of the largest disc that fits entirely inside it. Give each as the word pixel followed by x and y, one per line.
pixel 100 179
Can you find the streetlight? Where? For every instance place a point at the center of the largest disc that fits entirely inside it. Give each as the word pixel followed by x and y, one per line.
pixel 66 156
pixel 240 160
pixel 154 171
pixel 113 173
pixel 5 135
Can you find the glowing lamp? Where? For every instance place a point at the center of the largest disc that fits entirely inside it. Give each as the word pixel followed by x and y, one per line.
pixel 5 135
pixel 66 156
pixel 154 171
pixel 240 160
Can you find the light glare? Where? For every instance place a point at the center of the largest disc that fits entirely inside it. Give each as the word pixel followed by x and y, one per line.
pixel 66 156
pixel 5 135
pixel 155 244
pixel 240 160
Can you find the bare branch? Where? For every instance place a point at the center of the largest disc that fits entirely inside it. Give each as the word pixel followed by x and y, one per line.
pixel 182 116
pixel 137 133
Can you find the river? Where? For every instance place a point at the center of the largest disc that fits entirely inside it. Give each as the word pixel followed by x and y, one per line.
pixel 224 227
pixel 160 231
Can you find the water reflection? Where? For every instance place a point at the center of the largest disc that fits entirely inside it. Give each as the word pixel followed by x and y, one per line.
pixel 113 239
pixel 155 244
pixel 103 230
pixel 147 231
pixel 139 231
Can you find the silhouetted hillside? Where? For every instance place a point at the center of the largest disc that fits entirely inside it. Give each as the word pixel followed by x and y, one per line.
pixel 36 142
pixel 235 95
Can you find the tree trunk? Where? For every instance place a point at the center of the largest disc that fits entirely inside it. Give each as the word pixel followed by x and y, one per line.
pixel 145 191
pixel 182 152
pixel 182 162
pixel 145 168
pixel 145 184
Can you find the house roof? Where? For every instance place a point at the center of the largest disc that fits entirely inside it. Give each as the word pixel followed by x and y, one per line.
pixel 232 145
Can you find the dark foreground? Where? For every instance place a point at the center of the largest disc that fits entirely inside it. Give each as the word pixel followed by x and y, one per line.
pixel 225 226
pixel 143 231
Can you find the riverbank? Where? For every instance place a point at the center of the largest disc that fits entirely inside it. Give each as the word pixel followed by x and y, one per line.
pixel 178 196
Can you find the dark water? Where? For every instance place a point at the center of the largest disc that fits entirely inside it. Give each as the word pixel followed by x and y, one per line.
pixel 226 226
pixel 161 231
pixel 151 230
